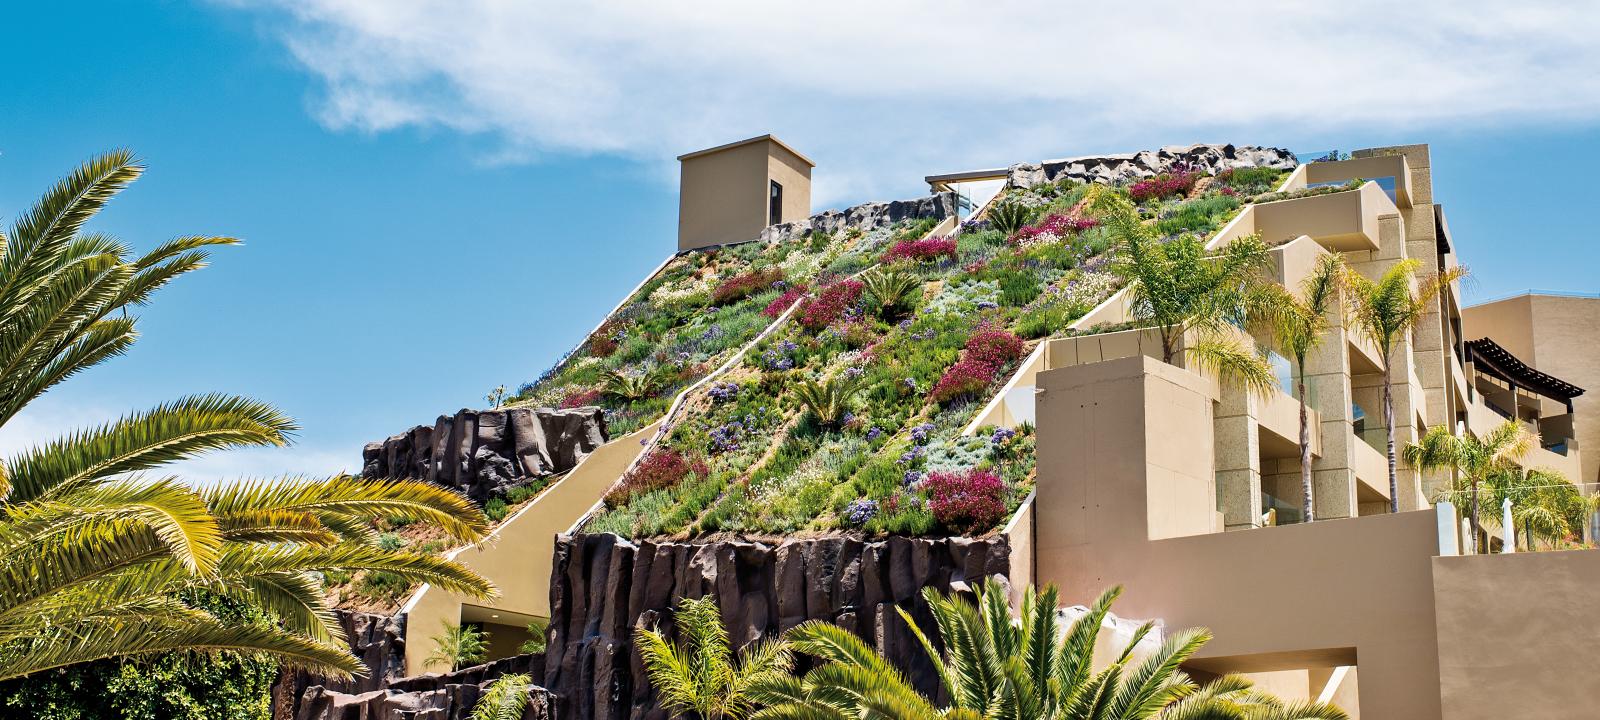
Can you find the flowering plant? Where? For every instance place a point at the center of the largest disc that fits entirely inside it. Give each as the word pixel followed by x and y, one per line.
pixel 829 304
pixel 968 502
pixel 580 398
pixel 924 249
pixel 1052 229
pixel 742 286
pixel 1163 185
pixel 662 468
pixel 790 296
pixel 859 512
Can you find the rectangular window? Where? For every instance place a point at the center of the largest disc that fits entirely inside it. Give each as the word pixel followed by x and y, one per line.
pixel 774 203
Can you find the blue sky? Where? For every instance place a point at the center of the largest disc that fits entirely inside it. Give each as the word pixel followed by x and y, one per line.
pixel 437 198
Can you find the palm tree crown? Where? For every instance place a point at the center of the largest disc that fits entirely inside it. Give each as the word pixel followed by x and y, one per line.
pixel 699 677
pixel 996 668
pixel 1298 324
pixel 96 552
pixel 1386 309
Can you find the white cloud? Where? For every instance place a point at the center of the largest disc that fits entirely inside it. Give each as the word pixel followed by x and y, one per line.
pixel 882 92
pixel 49 418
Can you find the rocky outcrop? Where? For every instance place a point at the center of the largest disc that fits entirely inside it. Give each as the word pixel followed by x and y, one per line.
pixel 867 216
pixel 1132 167
pixel 379 641
pixel 603 587
pixel 486 452
pixel 425 697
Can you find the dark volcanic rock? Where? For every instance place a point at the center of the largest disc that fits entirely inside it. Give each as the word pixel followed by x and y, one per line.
pixel 487 452
pixel 379 641
pixel 604 587
pixel 432 696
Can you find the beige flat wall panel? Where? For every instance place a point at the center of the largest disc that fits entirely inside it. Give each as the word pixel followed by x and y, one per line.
pixel 1518 635
pixel 722 197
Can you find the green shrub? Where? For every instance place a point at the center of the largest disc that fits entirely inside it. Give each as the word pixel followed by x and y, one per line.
pixel 381 585
pixel 1018 288
pixel 211 686
pixel 390 541
pixel 1200 216
pixel 879 479
pixel 813 497
pixel 495 509
pixel 1009 217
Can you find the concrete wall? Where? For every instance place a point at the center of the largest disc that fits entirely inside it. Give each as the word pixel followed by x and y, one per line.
pixel 516 557
pixel 1518 635
pixel 722 192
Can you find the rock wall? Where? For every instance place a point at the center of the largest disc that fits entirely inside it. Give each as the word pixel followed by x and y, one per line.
pixel 432 696
pixel 603 587
pixel 1148 163
pixel 486 452
pixel 867 216
pixel 378 640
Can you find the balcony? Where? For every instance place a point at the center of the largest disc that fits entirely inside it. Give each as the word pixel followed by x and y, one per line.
pixel 1341 221
pixel 1390 172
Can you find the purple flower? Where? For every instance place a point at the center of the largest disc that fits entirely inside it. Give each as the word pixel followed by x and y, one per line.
pixel 1001 435
pixel 910 456
pixel 854 371
pixel 723 392
pixel 780 285
pixel 785 364
pixel 905 324
pixel 712 333
pixel 874 433
pixel 859 512
pixel 849 417
pixel 912 477
pixel 910 382
pixel 919 434
pixel 986 305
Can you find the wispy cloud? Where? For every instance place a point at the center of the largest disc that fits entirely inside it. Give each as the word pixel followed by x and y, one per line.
pixel 879 90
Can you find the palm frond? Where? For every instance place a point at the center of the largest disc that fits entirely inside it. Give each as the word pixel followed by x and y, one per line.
pixel 1231 361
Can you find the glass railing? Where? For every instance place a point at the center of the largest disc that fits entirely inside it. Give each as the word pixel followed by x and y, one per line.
pixel 1311 156
pixel 1370 432
pixel 1279 511
pixel 1386 183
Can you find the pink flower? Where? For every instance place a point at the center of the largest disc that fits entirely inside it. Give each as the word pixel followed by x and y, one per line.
pixel 926 249
pixel 967 502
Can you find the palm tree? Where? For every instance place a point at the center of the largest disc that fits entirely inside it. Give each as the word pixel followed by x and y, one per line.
pixel 1472 459
pixel 631 388
pixel 1386 310
pixel 1177 287
pixel 1543 501
pixel 1297 325
pixel 829 399
pixel 892 289
pixel 997 668
pixel 505 699
pixel 1009 216
pixel 458 646
pixel 700 678
pixel 95 555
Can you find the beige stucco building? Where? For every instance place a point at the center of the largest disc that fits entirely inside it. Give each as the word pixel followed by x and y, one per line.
pixel 729 193
pixel 1558 334
pixel 1186 490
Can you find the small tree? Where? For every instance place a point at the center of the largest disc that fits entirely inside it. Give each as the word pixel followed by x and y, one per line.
pixel 1298 323
pixel 631 388
pixel 1177 287
pixel 1472 459
pixel 1386 309
pixel 894 291
pixel 458 646
pixel 829 399
pixel 699 678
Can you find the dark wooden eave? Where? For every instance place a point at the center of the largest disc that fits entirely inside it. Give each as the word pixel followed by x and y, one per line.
pixel 1495 360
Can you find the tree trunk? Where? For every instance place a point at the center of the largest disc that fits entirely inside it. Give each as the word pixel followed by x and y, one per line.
pixel 1388 421
pixel 1166 345
pixel 1475 514
pixel 1305 448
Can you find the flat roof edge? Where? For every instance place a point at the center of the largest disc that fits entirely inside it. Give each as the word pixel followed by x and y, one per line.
pixel 741 143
